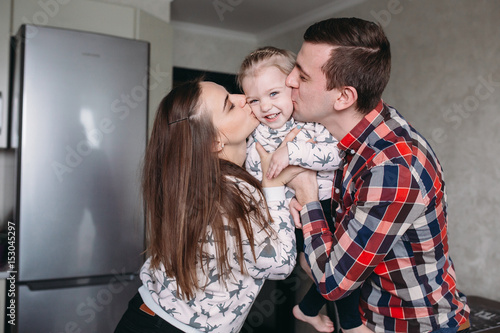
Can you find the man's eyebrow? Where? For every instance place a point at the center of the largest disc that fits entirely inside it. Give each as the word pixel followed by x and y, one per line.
pixel 301 69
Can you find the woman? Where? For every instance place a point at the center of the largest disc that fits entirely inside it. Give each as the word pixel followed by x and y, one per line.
pixel 213 239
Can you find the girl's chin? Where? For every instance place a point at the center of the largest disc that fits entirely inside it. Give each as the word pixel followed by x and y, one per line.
pixel 276 125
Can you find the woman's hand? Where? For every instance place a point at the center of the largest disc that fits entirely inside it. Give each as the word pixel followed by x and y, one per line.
pixel 295 209
pixel 283 178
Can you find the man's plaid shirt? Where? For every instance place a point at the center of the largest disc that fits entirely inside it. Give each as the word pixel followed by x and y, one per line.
pixel 391 230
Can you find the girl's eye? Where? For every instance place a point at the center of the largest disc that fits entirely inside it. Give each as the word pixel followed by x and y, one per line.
pixel 253 101
pixel 274 93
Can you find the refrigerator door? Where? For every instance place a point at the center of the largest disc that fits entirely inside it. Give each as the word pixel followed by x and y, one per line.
pixel 82 128
pixel 3 123
pixel 82 309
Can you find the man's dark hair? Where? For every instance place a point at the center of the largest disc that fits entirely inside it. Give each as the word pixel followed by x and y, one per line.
pixel 361 57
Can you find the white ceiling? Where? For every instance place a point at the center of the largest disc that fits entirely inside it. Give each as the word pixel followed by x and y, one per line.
pixel 257 18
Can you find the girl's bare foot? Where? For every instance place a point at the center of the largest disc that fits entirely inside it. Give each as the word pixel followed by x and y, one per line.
pixel 320 322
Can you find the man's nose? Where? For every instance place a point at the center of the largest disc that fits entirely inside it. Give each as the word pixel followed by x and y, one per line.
pixel 291 79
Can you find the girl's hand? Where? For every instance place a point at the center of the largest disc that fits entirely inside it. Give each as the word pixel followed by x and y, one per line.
pixel 280 160
pixel 284 177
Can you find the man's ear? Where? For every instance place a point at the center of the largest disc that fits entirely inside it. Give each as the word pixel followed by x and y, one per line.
pixel 346 98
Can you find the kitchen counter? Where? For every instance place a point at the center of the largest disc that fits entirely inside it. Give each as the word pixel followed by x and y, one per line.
pixel 485 314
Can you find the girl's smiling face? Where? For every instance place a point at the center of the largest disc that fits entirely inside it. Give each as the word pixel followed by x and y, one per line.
pixel 268 96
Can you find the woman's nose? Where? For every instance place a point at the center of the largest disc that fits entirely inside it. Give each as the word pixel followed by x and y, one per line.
pixel 241 100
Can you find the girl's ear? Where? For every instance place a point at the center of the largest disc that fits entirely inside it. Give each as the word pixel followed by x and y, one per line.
pixel 347 97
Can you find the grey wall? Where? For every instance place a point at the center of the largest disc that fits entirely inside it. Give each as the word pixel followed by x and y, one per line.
pixel 446 82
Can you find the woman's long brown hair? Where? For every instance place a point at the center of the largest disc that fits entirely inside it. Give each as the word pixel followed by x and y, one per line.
pixel 186 191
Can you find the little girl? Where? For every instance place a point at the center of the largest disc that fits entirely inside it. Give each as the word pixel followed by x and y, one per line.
pixel 262 77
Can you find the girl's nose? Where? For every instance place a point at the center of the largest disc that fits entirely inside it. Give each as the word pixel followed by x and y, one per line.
pixel 265 106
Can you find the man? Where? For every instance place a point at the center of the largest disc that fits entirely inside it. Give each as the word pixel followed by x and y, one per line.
pixel 391 223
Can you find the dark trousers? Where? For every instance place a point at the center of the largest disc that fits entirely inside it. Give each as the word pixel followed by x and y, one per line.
pixel 347 307
pixel 135 320
pixel 313 301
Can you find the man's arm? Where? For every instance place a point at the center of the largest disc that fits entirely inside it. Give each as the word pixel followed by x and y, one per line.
pixel 378 217
pixel 306 183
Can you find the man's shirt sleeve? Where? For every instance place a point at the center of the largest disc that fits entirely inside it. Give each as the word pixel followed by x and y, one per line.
pixel 387 201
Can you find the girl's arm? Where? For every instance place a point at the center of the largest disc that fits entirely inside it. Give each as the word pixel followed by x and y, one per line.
pixel 315 149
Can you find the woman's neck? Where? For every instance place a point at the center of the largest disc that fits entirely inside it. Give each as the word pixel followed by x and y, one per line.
pixel 234 153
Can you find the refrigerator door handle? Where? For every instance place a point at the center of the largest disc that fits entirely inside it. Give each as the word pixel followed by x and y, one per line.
pixel 79 282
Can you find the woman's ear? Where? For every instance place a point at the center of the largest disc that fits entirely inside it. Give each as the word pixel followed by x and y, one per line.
pixel 347 97
pixel 217 146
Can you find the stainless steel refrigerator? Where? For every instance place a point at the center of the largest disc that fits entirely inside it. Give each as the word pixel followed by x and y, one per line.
pixel 79 118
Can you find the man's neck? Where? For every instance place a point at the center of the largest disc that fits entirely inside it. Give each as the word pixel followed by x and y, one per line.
pixel 340 123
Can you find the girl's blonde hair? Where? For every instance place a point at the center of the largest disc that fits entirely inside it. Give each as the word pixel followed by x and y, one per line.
pixel 264 57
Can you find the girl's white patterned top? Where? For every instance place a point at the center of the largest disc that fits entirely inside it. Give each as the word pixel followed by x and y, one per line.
pixel 313 148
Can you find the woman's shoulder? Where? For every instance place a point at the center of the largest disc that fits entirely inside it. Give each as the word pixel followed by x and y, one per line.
pixel 244 185
pixel 239 182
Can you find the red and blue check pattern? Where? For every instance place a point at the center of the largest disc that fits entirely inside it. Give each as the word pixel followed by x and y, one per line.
pixel 391 230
